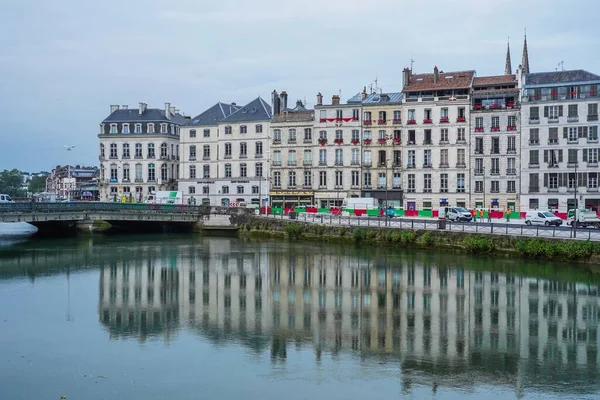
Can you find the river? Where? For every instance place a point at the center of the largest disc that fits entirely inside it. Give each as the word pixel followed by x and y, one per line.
pixel 192 317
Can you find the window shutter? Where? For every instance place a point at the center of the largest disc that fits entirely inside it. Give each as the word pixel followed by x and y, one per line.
pixel 561 180
pixel 583 179
pixel 560 111
pixel 585 131
pixel 545 180
pixel 579 132
pixel 546 111
pixel 560 156
pixel 585 155
pixel 545 156
pixel 565 132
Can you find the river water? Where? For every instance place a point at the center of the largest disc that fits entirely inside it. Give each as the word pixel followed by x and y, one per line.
pixel 190 317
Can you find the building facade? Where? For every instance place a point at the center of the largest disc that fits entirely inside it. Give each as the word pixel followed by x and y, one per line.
pixel 73 182
pixel 436 120
pixel 199 163
pixel 559 147
pixel 293 154
pixel 139 152
pixel 495 137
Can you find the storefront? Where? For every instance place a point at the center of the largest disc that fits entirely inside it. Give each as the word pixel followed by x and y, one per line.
pixel 394 197
pixel 290 199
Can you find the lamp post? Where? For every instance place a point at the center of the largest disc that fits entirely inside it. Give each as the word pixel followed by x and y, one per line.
pixel 574 223
pixel 386 183
pixel 69 148
pixel 337 186
pixel 260 179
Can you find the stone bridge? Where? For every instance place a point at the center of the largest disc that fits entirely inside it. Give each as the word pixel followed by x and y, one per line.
pixel 49 216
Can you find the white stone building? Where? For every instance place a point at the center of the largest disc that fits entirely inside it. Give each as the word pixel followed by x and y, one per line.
pixel 559 145
pixel 435 124
pixel 139 151
pixel 199 164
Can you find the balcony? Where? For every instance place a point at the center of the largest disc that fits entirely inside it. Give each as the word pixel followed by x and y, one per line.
pixel 495 172
pixel 552 141
pixel 444 120
pixel 534 142
pixel 291 163
pixel 511 171
pixel 511 150
pixel 258 155
pixel 479 129
pixel 495 129
pixel 461 119
pixel 291 141
pixel 139 156
pixel 192 158
pixel 243 155
pixel 206 158
pixel 592 140
pixel 427 142
pixel 444 165
pixel 166 157
pixel 573 119
pixel 553 190
pixel 113 157
pixel 322 163
pixel 367 122
pixel 534 189
pixel 276 141
pixel 227 156
pixel 125 156
pixel 572 164
pixel 511 128
pixel 381 121
pixel 307 163
pixel 461 165
pixel 478 172
pixel 398 121
pixel 427 165
pixel 338 163
pixel 534 165
pixel 553 120
pixel 411 122
pixel 307 141
pixel 592 117
pixel 338 141
pixel 443 142
pixel 427 121
pixel 138 180
pixel 478 151
pixel 367 186
pixel 534 121
pixel 411 166
pixel 354 162
pixel 277 163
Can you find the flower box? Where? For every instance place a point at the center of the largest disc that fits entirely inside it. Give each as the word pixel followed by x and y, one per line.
pixel 396 141
pixel 411 122
pixel 511 128
pixel 354 119
pixel 381 141
pixel 322 142
pixel 461 119
pixel 381 121
pixel 367 122
pixel 355 142
pixel 479 129
pixel 495 128
pixel 323 120
pixel 495 105
pixel 510 105
pixel 397 121
pixel 444 120
pixel 367 141
pixel 338 120
pixel 427 121
pixel 338 141
pixel 478 106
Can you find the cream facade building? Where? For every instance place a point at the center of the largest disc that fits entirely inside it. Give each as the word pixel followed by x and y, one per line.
pixel 139 151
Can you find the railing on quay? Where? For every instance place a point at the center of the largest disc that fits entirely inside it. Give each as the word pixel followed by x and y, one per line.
pixel 494 228
pixel 33 207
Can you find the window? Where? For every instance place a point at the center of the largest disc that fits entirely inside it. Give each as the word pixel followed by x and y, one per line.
pixel 590 156
pixel 511 166
pixel 444 135
pixel 322 179
pixel 495 166
pixel 495 145
pixel 411 137
pixel 534 113
pixel 163 150
pixel 381 181
pixel 355 157
pixel 443 158
pixel 322 157
pixel 339 114
pixel 495 122
pixel 113 128
pixel 206 152
pixel 192 133
pixel 572 111
pixel 206 171
pixel 243 150
pixel 224 189
pixel 553 112
pixel 113 172
pixel 192 153
pixel 323 135
pixel 411 183
pixel 339 159
pixel 397 158
pixel 367 117
pixel 511 187
pixel 240 190
pixel 192 190
pixel 460 135
pixel 125 150
pixel 427 183
pixel 150 128
pixel 396 180
pixel 113 150
pixel 460 183
pixel 367 179
pixel 101 150
pixel 192 172
pixel 427 158
pixel 593 180
pixel 292 157
pixel 534 157
pixel 443 183
pixel 227 150
pixel 511 146
pixel 444 113
pixel 307 135
pixel 495 187
pixel 411 115
pixel 411 159
pixel 163 128
pixel 137 128
pixel 227 170
pixel 228 130
pixel 552 135
pixel 125 128
pixel 307 179
pixel 479 166
pixel 206 133
pixel 164 173
pixel 460 158
pixel 479 145
pixel 243 171
pixel 534 136
pixel 255 189
pixel 355 114
pixel 427 136
pixel 307 159
pixel 151 173
pixel 243 129
pixel 338 179
pixel 592 134
pixel 258 128
pixel 512 121
pixel 572 156
pixel 292 135
pixel 479 187
pixel 355 179
pixel 427 115
pixel 258 170
pixel 258 149
pixel 478 123
pixel 138 173
pixel 277 179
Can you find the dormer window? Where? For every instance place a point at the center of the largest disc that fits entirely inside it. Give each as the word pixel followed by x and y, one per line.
pixel 151 128
pixel 113 128
pixel 163 128
pixel 228 130
pixel 101 129
pixel 138 128
pixel 243 129
pixel 125 128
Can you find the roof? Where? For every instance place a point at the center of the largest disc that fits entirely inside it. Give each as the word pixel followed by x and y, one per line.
pixel 214 114
pixel 149 115
pixel 256 110
pixel 495 91
pixel 496 80
pixel 558 77
pixel 383 98
pixel 446 81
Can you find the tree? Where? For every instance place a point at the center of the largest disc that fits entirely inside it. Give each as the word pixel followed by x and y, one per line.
pixel 11 183
pixel 37 184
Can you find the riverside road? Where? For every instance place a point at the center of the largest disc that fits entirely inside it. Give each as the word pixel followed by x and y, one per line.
pixel 499 227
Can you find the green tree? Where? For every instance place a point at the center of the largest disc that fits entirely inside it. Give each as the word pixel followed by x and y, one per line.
pixel 37 184
pixel 11 183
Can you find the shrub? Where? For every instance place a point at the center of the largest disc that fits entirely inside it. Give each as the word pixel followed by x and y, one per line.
pixel 359 234
pixel 294 230
pixel 425 239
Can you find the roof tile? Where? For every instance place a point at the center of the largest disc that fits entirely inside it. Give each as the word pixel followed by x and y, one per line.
pixel 446 81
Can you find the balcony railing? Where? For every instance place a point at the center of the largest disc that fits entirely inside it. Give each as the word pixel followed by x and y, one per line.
pixel 511 171
pixel 511 150
pixel 495 172
pixel 592 117
pixel 307 162
pixel 534 121
pixel 291 163
pixel 478 172
pixel 381 121
pixel 398 121
pixel 573 119
pixel 444 120
pixel 367 121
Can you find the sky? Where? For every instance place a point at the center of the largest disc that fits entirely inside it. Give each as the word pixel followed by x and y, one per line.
pixel 64 62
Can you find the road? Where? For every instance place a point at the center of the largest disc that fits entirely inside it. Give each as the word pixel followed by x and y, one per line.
pixel 499 227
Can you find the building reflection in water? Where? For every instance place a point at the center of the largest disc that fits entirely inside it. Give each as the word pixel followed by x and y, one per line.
pixel 442 321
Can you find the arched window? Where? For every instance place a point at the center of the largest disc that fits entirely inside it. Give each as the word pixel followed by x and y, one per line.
pixel 101 150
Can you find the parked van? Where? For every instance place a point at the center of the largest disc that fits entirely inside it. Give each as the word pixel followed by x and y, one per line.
pixel 459 214
pixel 4 198
pixel 542 218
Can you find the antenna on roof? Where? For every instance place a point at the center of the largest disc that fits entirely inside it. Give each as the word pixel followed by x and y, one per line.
pixel 411 63
pixel 561 65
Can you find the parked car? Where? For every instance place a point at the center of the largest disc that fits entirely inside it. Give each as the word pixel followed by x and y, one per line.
pixel 4 198
pixel 542 218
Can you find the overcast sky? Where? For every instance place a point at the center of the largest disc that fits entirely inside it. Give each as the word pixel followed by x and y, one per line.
pixel 63 62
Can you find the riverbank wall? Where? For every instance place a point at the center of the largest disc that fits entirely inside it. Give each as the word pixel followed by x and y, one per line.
pixel 459 242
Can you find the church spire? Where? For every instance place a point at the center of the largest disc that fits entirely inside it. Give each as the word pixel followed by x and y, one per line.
pixel 525 61
pixel 508 65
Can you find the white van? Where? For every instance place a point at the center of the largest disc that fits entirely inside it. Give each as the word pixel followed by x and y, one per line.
pixel 4 198
pixel 457 214
pixel 542 218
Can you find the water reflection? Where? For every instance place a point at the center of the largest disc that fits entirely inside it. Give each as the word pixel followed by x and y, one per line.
pixel 445 325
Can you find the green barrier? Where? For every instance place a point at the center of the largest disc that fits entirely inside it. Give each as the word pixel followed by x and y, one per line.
pixel 425 213
pixel 373 213
pixel 323 210
pixel 399 212
pixel 276 211
pixel 300 210
pixel 348 210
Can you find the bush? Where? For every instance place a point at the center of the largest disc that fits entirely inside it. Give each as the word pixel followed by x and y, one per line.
pixel 359 234
pixel 425 239
pixel 477 244
pixel 294 230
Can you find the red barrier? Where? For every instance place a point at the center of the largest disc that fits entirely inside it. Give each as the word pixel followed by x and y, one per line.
pixel 263 209
pixel 313 210
pixel 286 211
pixel 358 213
pixel 436 213
pixel 411 213
pixel 561 215
pixel 497 214
pixel 335 211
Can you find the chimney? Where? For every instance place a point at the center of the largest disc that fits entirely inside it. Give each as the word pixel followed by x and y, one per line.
pixel 141 108
pixel 284 98
pixel 168 110
pixel 436 74
pixel 124 107
pixel 113 108
pixel 275 102
pixel 335 99
pixel 363 95
pixel 406 73
pixel 319 99
pixel 299 103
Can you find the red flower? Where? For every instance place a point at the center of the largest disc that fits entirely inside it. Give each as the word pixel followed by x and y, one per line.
pixel 355 142
pixel 461 119
pixel 427 121
pixel 411 122
pixel 381 141
pixel 478 106
pixel 338 141
pixel 444 119
pixel 367 122
pixel 367 141
pixel 323 120
pixel 397 140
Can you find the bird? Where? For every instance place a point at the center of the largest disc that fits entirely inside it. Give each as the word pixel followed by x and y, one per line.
pixel 69 148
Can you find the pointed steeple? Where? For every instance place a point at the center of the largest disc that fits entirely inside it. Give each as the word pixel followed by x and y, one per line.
pixel 508 65
pixel 525 60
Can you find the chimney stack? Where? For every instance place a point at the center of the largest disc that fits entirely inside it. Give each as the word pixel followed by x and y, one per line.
pixel 363 95
pixel 113 108
pixel 124 107
pixel 335 99
pixel 284 98
pixel 275 102
pixel 168 110
pixel 436 74
pixel 141 108
pixel 319 99
pixel 299 103
pixel 406 77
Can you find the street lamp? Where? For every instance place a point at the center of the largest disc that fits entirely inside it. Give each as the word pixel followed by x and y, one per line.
pixel 386 183
pixel 337 186
pixel 69 148
pixel 574 222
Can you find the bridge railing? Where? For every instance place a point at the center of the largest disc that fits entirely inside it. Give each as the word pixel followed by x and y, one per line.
pixel 98 207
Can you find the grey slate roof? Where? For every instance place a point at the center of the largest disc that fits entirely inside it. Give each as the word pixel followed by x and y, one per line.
pixel 149 115
pixel 256 110
pixel 558 77
pixel 376 98
pixel 214 114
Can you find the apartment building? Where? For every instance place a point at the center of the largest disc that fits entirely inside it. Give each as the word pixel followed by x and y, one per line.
pixel 293 154
pixel 199 163
pixel 242 155
pixel 495 138
pixel 559 145
pixel 381 146
pixel 436 119
pixel 139 151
